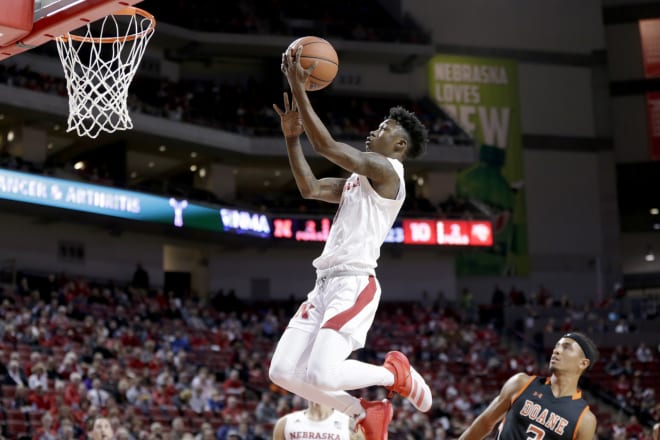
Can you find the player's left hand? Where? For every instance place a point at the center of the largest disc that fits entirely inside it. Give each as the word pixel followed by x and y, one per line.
pixel 290 119
pixel 293 70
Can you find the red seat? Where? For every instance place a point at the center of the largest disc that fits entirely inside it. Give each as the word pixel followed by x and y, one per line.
pixel 216 422
pixel 17 427
pixel 14 414
pixel 8 391
pixel 170 411
pixel 161 418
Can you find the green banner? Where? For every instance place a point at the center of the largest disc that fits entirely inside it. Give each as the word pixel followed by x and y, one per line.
pixel 481 94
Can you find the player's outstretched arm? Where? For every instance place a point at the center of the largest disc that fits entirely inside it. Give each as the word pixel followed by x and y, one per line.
pixel 316 131
pixel 375 166
pixel 486 421
pixel 328 189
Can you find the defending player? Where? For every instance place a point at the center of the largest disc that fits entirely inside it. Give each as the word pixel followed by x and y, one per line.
pixel 535 408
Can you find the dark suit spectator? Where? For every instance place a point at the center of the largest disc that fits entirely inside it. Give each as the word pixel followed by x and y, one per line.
pixel 140 278
pixel 3 366
pixel 15 374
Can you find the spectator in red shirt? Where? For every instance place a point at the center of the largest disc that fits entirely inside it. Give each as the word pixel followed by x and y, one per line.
pixel 233 410
pixel 634 430
pixel 162 300
pixel 40 399
pixel 257 373
pixel 160 396
pixel 135 361
pixel 56 338
pixel 233 385
pixel 130 339
pixel 79 413
pixel 72 390
pixel 621 389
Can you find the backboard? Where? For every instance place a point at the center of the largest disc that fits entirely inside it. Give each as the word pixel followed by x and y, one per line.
pixel 26 24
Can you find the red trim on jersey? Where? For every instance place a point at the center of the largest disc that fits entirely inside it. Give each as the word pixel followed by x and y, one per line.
pixel 364 298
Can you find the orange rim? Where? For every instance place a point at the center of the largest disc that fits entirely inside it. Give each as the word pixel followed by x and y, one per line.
pixel 131 11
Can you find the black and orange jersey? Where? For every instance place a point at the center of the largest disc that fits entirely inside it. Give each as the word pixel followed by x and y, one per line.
pixel 537 414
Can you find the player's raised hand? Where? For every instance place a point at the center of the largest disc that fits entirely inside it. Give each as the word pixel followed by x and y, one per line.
pixel 290 119
pixel 295 73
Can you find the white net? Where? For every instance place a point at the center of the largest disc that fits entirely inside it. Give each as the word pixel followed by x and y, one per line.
pixel 99 65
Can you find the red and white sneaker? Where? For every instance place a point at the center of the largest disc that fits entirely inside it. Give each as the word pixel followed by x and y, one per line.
pixel 408 382
pixel 376 420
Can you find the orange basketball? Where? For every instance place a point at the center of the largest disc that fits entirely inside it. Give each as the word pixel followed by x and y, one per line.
pixel 317 49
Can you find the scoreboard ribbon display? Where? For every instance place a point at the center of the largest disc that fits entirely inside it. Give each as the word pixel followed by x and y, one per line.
pixel 431 232
pixel 448 232
pixel 182 214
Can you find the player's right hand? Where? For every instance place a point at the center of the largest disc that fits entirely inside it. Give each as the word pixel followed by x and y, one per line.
pixel 296 75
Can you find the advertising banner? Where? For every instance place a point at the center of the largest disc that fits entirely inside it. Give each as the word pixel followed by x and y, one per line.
pixel 653 123
pixel 481 94
pixel 180 213
pixel 649 32
pixel 104 200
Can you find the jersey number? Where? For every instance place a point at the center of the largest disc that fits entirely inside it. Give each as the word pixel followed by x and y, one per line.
pixel 536 432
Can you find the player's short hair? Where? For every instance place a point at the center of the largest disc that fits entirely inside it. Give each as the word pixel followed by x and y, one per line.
pixel 587 345
pixel 416 131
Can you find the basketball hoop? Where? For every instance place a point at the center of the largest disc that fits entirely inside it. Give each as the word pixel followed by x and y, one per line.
pixel 99 66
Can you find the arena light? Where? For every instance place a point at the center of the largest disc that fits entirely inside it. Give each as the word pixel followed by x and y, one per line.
pixel 650 255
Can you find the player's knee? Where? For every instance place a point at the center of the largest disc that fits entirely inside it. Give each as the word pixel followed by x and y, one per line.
pixel 321 378
pixel 279 374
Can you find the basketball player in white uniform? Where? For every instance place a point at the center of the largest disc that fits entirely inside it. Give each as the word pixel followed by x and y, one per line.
pixel 317 422
pixel 311 358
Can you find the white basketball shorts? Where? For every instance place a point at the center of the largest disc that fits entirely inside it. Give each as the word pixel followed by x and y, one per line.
pixel 345 303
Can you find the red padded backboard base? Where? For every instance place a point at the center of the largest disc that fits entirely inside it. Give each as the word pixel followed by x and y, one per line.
pixel 16 20
pixel 52 26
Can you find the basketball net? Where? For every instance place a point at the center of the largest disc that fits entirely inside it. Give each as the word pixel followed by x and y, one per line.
pixel 99 66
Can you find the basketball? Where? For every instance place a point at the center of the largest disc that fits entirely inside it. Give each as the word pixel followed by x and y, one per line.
pixel 318 49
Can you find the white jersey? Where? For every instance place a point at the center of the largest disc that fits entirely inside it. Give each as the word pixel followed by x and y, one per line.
pixel 360 227
pixel 299 427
